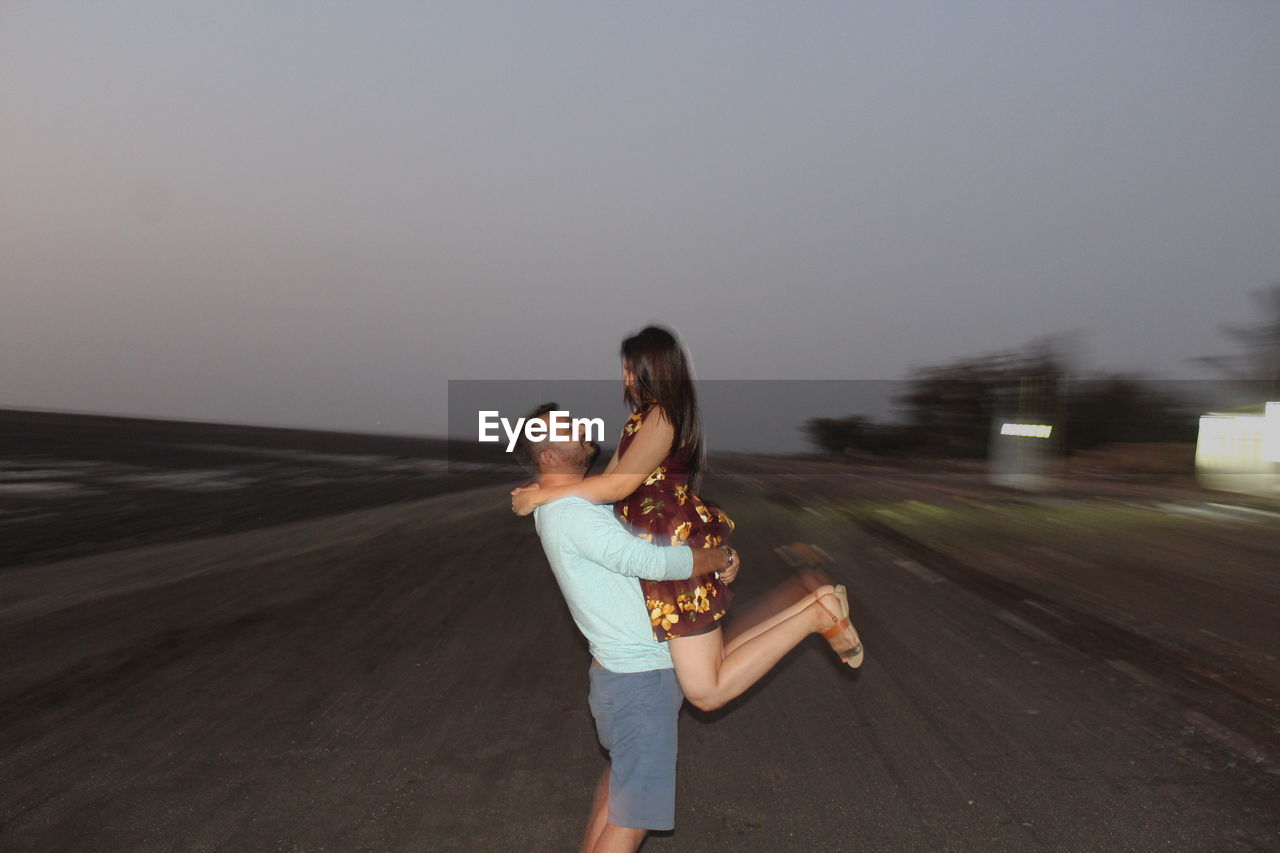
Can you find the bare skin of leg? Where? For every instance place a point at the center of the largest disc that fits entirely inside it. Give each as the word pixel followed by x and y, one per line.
pixel 619 839
pixel 599 813
pixel 711 673
pixel 602 836
pixel 748 625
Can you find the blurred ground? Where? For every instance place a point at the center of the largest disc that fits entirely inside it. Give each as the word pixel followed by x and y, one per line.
pixel 84 484
pixel 1094 670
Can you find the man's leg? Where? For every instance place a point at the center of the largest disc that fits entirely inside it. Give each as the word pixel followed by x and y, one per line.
pixel 636 716
pixel 619 839
pixel 599 812
pixel 602 836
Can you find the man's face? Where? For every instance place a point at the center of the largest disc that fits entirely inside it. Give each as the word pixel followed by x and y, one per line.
pixel 573 455
pixel 592 450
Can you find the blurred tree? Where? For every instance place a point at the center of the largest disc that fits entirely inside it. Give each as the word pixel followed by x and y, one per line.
pixel 951 405
pixel 1122 408
pixel 1260 360
pixel 835 435
pixel 854 435
pixel 949 408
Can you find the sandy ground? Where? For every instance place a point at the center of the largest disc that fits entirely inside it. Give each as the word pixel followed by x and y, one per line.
pixel 406 678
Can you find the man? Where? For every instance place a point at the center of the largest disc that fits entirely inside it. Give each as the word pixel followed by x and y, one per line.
pixel 634 695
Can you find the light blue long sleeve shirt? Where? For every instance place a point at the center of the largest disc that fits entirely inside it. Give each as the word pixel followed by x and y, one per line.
pixel 598 563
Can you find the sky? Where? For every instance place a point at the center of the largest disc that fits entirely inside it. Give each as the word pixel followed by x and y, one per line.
pixel 319 215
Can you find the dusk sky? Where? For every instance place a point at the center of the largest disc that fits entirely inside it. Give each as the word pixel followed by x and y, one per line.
pixel 318 214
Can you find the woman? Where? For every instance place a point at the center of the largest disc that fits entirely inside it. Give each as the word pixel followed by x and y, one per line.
pixel 652 482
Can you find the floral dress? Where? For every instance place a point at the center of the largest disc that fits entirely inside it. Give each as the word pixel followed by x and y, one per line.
pixel 663 511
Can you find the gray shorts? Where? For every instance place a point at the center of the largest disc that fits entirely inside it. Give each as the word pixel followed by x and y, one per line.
pixel 636 721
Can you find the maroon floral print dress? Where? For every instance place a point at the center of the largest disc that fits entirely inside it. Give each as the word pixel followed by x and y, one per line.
pixel 663 511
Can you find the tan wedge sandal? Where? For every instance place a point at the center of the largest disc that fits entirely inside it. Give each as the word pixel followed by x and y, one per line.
pixel 841 636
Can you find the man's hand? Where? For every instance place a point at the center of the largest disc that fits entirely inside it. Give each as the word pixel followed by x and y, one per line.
pixel 728 574
pixel 709 561
pixel 522 499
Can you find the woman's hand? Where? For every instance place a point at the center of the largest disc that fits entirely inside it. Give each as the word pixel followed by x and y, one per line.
pixel 522 499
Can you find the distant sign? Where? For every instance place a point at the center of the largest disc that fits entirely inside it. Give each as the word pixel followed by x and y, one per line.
pixel 1027 430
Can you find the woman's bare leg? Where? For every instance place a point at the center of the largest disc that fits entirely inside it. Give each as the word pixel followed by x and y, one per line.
pixel 710 675
pixel 754 622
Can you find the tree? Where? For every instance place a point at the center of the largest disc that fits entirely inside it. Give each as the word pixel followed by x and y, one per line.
pixel 835 435
pixel 1260 360
pixel 949 408
pixel 857 434
pixel 1122 408
pixel 952 405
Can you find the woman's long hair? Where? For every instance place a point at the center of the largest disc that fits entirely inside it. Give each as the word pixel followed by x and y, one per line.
pixel 664 377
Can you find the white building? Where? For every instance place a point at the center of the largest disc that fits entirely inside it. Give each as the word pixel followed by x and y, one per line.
pixel 1239 451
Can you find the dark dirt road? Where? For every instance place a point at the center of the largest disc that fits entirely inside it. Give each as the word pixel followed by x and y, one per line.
pixel 406 678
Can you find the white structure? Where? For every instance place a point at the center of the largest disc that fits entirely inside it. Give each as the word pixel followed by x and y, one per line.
pixel 1021 455
pixel 1239 452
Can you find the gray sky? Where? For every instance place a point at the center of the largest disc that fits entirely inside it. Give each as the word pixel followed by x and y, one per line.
pixel 317 214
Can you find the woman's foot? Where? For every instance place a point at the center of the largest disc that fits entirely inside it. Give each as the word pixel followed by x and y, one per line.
pixel 840 634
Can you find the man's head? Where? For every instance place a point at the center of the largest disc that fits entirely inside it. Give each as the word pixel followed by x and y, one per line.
pixel 568 459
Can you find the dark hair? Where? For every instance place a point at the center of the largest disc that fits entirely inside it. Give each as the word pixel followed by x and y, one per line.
pixel 664 377
pixel 529 449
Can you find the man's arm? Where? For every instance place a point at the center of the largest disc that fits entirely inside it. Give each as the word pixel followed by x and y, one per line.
pixel 717 561
pixel 602 539
pixel 624 474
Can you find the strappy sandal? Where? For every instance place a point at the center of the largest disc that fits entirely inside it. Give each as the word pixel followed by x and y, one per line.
pixel 841 636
